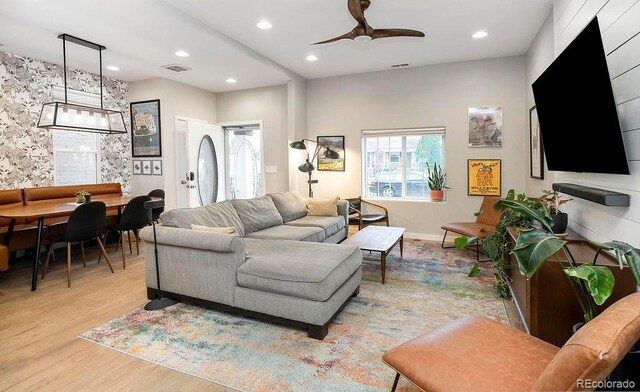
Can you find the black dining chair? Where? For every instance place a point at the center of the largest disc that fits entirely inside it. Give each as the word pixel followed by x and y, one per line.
pixel 155 213
pixel 134 217
pixel 87 222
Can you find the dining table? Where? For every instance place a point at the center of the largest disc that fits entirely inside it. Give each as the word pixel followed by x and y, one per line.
pixel 50 209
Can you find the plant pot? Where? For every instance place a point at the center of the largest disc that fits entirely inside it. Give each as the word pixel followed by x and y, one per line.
pixel 79 199
pixel 436 195
pixel 87 198
pixel 560 222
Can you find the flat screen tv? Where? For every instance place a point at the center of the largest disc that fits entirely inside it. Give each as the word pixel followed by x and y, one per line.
pixel 577 111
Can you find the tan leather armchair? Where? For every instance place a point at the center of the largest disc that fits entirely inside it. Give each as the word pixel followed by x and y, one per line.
pixel 485 223
pixel 478 354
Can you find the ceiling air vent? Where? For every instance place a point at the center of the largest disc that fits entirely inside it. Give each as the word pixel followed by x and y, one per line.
pixel 176 67
pixel 400 65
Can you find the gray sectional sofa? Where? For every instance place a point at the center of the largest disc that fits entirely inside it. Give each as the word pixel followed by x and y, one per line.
pixel 283 265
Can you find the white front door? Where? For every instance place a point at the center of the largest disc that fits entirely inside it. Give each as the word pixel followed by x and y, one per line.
pixel 200 166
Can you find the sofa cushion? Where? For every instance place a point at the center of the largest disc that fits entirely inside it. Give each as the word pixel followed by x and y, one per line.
pixel 290 205
pixel 310 271
pixel 257 214
pixel 294 233
pixel 220 214
pixel 330 224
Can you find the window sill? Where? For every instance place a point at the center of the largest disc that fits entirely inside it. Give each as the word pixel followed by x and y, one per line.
pixel 404 199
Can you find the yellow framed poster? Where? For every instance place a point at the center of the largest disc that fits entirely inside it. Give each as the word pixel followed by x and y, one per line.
pixel 484 177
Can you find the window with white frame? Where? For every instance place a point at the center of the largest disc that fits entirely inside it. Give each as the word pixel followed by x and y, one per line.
pixel 395 161
pixel 76 155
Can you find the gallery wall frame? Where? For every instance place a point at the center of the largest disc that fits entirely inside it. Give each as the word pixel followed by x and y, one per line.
pixel 484 177
pixel 536 149
pixel 336 143
pixel 146 129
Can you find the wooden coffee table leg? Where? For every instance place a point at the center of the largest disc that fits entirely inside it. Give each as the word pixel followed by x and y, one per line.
pixel 383 265
pixel 401 245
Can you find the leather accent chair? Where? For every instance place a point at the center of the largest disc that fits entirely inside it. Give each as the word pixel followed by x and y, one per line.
pixel 356 217
pixel 485 223
pixel 478 354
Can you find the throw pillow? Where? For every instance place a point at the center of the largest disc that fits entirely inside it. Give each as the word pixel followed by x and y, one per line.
pixel 290 205
pixel 322 207
pixel 220 230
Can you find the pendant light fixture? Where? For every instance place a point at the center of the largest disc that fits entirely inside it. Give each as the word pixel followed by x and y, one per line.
pixel 71 117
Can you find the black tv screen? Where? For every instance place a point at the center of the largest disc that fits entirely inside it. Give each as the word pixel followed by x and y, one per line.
pixel 577 111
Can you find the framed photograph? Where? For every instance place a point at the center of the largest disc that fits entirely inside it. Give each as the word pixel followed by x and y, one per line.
pixel 137 168
pixel 484 177
pixel 156 167
pixel 535 145
pixel 485 126
pixel 336 143
pixel 145 129
pixel 146 168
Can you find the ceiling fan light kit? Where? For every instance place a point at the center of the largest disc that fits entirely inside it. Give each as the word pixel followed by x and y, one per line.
pixel 363 32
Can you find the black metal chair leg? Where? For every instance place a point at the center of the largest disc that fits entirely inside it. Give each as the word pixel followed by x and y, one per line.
pixel 444 239
pixel 395 382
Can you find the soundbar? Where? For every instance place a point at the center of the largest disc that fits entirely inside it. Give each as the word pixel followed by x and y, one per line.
pixel 600 196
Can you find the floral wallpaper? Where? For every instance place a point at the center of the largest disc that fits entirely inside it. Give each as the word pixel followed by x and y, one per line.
pixel 26 151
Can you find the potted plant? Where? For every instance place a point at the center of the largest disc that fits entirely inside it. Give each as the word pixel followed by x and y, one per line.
pixel 553 201
pixel 83 197
pixel 436 181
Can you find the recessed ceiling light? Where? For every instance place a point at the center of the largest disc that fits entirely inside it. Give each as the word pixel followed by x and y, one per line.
pixel 181 53
pixel 112 68
pixel 264 25
pixel 231 80
pixel 480 34
pixel 312 57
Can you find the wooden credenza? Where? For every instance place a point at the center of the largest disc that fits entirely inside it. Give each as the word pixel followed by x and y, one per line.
pixel 546 303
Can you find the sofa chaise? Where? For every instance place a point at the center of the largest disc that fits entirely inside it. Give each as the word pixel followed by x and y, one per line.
pixel 283 265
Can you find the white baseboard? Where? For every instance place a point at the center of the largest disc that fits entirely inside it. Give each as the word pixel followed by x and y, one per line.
pixel 429 237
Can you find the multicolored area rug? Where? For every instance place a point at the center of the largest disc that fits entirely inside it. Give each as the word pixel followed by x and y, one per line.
pixel 427 288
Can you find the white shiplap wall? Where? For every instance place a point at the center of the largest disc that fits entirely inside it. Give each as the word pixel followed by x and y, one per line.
pixel 620 27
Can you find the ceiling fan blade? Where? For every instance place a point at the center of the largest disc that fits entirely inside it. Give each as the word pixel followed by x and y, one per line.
pixel 386 33
pixel 355 8
pixel 348 35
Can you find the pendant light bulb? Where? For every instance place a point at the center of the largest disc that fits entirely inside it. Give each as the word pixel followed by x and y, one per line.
pixel 78 117
pixel 65 115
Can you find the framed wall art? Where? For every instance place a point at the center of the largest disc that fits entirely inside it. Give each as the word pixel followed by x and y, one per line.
pixel 146 129
pixel 156 167
pixel 485 126
pixel 484 177
pixel 137 168
pixel 536 157
pixel 146 168
pixel 336 143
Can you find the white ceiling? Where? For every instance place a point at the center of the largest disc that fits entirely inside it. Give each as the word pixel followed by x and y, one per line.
pixel 223 40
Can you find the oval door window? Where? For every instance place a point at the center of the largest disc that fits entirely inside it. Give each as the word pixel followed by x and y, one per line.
pixel 207 172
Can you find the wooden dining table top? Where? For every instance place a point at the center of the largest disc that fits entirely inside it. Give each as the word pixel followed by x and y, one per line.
pixel 61 207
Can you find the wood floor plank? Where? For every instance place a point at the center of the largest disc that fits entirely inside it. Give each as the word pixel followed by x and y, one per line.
pixel 39 345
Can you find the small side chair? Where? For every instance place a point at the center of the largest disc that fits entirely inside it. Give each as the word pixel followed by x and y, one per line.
pixel 87 222
pixel 155 213
pixel 134 217
pixel 356 217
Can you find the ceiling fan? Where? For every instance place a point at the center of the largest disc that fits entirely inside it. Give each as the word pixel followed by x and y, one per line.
pixel 365 33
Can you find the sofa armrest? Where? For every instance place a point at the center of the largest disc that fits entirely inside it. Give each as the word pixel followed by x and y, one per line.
pixel 193 239
pixel 343 210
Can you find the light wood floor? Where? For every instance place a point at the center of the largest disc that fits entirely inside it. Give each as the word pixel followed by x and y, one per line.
pixel 39 347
